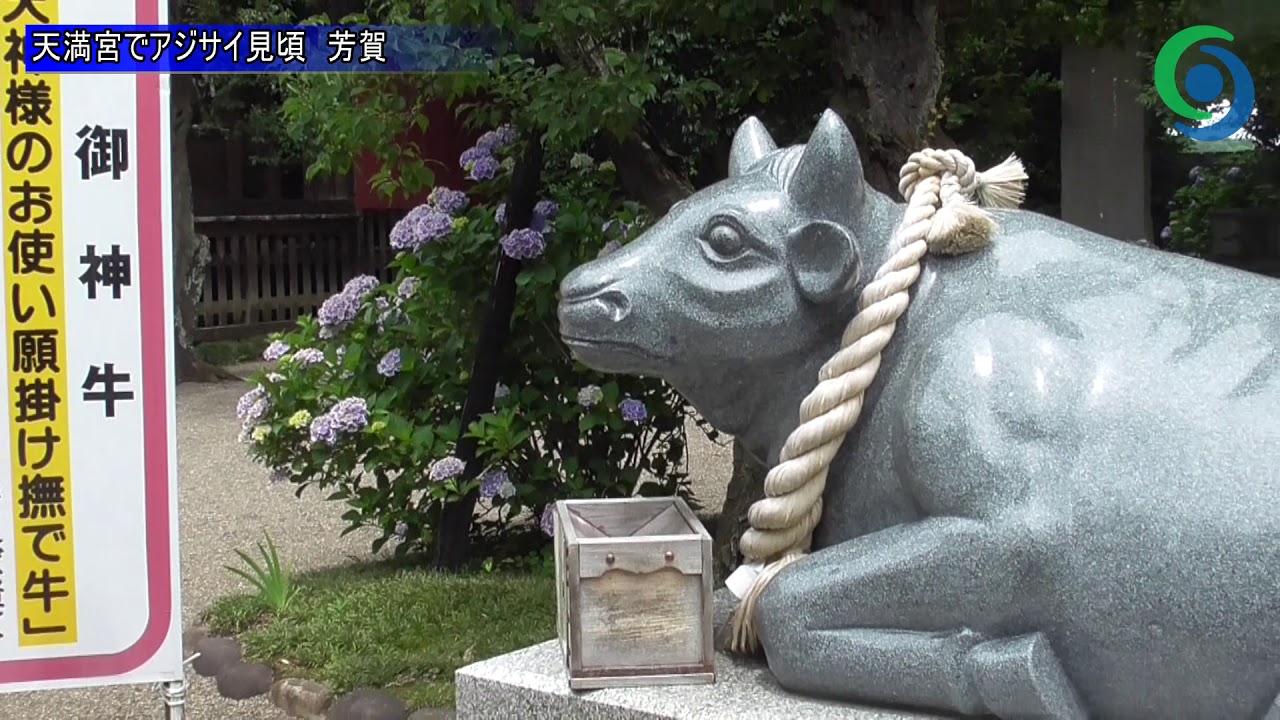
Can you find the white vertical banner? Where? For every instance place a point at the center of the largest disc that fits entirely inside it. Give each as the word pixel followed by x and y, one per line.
pixel 89 585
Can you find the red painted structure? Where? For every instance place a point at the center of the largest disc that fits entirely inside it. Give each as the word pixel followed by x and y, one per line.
pixel 441 143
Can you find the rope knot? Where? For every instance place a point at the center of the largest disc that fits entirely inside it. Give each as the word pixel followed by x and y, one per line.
pixel 945 196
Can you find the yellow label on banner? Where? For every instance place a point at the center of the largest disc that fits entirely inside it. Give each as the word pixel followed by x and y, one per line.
pixel 43 593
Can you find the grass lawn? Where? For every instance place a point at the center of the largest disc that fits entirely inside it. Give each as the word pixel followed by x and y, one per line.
pixel 404 630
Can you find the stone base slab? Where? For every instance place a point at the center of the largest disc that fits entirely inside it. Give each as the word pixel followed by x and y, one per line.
pixel 531 684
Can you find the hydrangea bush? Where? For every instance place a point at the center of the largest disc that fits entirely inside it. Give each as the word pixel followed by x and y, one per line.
pixel 364 398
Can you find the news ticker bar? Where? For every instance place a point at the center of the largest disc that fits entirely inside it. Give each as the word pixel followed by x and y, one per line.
pixel 214 49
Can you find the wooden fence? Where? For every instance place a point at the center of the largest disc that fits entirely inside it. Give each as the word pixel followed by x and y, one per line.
pixel 266 271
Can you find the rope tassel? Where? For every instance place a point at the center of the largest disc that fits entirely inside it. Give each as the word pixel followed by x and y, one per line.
pixel 945 199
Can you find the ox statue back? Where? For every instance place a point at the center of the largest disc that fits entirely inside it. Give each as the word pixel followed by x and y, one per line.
pixel 1063 496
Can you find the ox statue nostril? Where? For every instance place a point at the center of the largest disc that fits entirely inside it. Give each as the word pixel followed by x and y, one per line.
pixel 616 303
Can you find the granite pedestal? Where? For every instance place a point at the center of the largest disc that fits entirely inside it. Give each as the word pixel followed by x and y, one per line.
pixel 531 684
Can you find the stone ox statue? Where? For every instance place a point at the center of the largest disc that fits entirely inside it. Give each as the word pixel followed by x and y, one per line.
pixel 1063 497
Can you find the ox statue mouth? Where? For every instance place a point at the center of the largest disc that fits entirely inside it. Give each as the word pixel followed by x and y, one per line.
pixel 612 356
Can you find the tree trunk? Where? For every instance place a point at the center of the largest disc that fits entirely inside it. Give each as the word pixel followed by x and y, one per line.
pixel 190 249
pixel 887 62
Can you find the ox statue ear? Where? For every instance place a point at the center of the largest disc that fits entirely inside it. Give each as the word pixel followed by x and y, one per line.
pixel 828 183
pixel 750 143
pixel 823 260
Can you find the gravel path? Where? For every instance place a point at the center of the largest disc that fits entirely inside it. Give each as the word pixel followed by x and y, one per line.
pixel 225 504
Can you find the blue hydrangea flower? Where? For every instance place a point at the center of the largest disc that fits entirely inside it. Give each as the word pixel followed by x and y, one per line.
pixel 337 311
pixel 472 155
pixel 590 395
pixel 350 414
pixel 408 287
pixel 307 357
pixel 252 406
pixel 523 244
pixel 389 365
pixel 548 522
pixel 424 224
pixel 492 482
pixel 323 430
pixel 359 287
pixel 445 468
pixel 484 169
pixel 275 351
pixel 448 201
pixel 633 410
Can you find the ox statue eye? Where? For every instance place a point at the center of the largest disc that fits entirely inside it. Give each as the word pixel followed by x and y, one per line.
pixel 724 241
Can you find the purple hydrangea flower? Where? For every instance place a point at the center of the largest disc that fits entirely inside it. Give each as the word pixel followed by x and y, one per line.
pixel 275 351
pixel 547 209
pixel 408 287
pixel 389 365
pixel 523 244
pixel 632 410
pixel 337 311
pixel 382 303
pixel 497 139
pixel 488 141
pixel 323 430
pixel 492 483
pixel 500 215
pixel 447 201
pixel 359 287
pixel 506 135
pixel 445 468
pixel 402 233
pixel 423 224
pixel 306 357
pixel 472 155
pixel 484 169
pixel 350 414
pixel 590 395
pixel 252 406
pixel 548 522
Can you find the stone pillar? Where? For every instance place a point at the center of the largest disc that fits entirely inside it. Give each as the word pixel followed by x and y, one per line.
pixel 1106 177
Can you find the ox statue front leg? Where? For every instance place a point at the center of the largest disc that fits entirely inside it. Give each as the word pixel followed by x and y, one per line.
pixel 917 615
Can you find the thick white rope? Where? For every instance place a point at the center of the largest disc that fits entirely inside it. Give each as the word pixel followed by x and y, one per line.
pixel 940 187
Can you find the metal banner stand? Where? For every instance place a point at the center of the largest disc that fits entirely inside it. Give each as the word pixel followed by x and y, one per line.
pixel 174 693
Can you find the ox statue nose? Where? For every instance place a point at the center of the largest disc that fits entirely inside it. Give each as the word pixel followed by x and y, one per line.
pixel 615 304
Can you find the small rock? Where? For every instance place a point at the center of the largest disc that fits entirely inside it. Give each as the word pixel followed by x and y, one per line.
pixel 301 698
pixel 431 714
pixel 245 680
pixel 191 637
pixel 216 654
pixel 368 704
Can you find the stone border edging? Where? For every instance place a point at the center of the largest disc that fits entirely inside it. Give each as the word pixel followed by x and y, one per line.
pixel 222 659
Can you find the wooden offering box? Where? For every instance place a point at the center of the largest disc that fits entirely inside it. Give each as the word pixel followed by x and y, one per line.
pixel 633 588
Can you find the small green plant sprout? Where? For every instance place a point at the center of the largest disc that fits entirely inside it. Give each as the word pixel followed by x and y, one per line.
pixel 270 578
